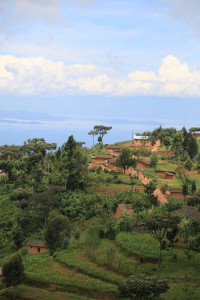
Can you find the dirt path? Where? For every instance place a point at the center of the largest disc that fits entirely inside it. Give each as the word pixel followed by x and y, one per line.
pixel 155 147
pixel 160 196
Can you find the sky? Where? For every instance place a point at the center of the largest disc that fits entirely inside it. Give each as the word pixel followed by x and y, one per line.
pixel 67 65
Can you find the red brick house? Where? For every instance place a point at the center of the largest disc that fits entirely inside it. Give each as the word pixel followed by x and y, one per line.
pixel 37 247
pixel 143 164
pixel 101 159
pixel 176 193
pixel 113 148
pixel 169 176
pixel 166 175
pixel 123 209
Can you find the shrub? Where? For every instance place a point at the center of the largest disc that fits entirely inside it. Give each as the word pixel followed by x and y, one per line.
pixel 143 288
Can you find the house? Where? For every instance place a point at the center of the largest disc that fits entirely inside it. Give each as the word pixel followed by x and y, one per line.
pixel 101 159
pixel 196 134
pixel 143 164
pixel 166 174
pixel 140 138
pixel 36 247
pixel 123 209
pixel 113 149
pixel 189 213
pixel 176 193
pixel 169 175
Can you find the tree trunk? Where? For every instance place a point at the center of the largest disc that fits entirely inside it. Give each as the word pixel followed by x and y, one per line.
pixel 14 294
pixel 160 255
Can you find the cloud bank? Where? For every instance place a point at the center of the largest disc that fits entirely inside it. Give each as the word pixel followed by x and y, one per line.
pixel 38 76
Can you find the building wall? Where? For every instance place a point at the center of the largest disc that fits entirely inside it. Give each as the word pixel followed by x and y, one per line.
pixel 142 165
pixel 118 213
pixel 169 177
pixel 34 250
pixel 177 195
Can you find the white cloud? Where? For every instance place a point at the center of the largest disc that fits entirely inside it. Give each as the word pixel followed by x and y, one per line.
pixel 37 75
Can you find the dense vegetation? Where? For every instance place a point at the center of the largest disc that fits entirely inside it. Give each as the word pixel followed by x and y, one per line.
pixel 50 194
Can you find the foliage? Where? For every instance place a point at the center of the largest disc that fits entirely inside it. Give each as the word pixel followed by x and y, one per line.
pixel 153 160
pixel 73 165
pixel 18 238
pixel 149 191
pixel 194 200
pixel 56 230
pixel 101 130
pixel 125 159
pixel 13 272
pixel 167 142
pixel 160 221
pixel 143 288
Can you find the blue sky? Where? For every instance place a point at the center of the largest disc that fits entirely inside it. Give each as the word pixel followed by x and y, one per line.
pixel 67 65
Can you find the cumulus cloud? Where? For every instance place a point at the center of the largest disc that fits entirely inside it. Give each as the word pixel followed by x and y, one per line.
pixel 187 11
pixel 37 75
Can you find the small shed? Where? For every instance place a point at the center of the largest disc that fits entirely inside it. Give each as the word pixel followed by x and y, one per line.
pixel 123 209
pixel 141 164
pixel 176 193
pixel 37 247
pixel 169 175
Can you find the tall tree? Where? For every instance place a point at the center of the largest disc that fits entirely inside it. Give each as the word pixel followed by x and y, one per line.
pixel 101 130
pixel 73 165
pixel 125 159
pixel 13 272
pixel 56 230
pixel 93 133
pixel 160 221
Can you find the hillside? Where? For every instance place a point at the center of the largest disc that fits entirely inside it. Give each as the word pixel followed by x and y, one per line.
pixel 85 220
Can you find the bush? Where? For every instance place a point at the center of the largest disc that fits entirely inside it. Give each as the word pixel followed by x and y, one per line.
pixel 77 235
pixel 143 288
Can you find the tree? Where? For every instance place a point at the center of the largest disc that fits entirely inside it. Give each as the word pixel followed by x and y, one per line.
pixel 177 143
pixel 185 189
pixel 73 165
pixel 125 159
pixel 13 272
pixel 160 221
pixel 190 145
pixel 143 288
pixel 149 192
pixel 56 230
pixel 18 238
pixel 93 133
pixel 186 228
pixel 101 130
pixel 188 164
pixel 194 200
pixel 167 142
pixel 153 160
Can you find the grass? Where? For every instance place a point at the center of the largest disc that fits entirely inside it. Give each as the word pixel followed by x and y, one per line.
pixel 43 271
pixel 77 259
pixel 166 165
pixel 138 244
pixel 31 293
